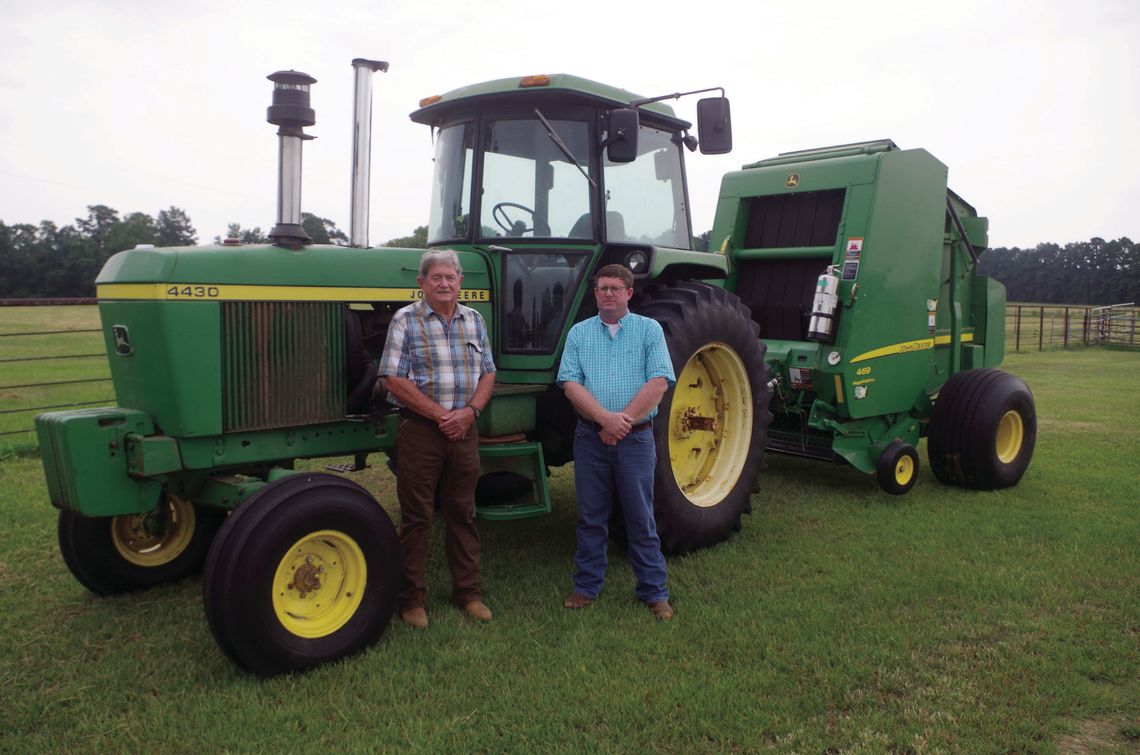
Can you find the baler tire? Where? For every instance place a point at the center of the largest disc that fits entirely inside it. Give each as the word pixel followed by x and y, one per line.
pixel 304 572
pixel 897 468
pixel 114 554
pixel 713 343
pixel 983 430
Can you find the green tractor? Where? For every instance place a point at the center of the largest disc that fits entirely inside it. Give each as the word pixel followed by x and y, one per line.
pixel 231 362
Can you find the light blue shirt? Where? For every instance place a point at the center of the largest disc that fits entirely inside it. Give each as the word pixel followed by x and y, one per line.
pixel 613 368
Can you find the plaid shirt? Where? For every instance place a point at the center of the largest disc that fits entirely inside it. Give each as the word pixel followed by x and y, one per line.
pixel 614 368
pixel 444 360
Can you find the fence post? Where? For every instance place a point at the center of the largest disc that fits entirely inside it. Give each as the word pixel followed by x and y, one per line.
pixel 1041 330
pixel 1085 328
pixel 1066 342
pixel 1017 331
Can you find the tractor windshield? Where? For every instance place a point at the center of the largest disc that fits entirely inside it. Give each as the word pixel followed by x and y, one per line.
pixel 537 183
pixel 531 189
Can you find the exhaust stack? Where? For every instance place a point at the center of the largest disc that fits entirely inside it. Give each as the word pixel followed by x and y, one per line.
pixel 291 113
pixel 362 148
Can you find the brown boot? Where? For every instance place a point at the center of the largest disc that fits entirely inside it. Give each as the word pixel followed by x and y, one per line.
pixel 415 617
pixel 577 600
pixel 662 610
pixel 478 610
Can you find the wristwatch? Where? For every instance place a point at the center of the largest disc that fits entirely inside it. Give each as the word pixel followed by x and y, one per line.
pixel 475 409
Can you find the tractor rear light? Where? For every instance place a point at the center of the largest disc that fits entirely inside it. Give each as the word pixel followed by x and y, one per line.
pixel 430 100
pixel 542 80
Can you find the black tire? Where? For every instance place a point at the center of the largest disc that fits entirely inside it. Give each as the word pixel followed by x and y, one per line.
pixel 115 554
pixel 699 499
pixel 304 572
pixel 897 468
pixel 983 430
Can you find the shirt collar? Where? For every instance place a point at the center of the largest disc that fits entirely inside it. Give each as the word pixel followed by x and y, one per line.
pixel 621 320
pixel 426 309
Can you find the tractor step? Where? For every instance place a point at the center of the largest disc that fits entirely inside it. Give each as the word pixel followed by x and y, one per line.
pixel 513 483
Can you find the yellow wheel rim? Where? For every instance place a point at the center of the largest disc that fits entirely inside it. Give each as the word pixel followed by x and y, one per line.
pixel 319 584
pixel 710 424
pixel 1010 436
pixel 142 548
pixel 904 470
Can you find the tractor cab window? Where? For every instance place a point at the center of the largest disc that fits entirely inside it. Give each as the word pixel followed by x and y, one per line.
pixel 451 190
pixel 645 199
pixel 538 290
pixel 531 188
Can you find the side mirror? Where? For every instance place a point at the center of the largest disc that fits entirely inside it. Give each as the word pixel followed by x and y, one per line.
pixel 621 142
pixel 714 126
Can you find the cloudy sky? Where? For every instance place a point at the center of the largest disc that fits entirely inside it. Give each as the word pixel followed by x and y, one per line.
pixel 144 104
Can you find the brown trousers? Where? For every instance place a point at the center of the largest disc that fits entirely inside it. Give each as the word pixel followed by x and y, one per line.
pixel 425 461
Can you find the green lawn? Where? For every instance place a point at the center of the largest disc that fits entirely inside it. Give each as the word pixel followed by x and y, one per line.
pixel 839 619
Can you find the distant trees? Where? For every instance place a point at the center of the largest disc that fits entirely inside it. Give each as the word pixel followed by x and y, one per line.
pixel 320 230
pixel 1083 272
pixel 46 261
pixel 418 240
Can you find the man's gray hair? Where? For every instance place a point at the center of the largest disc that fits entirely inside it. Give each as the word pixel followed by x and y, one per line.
pixel 439 257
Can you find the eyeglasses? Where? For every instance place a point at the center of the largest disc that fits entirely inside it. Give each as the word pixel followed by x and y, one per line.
pixel 603 290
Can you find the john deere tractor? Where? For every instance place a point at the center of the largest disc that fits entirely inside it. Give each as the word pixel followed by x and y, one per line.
pixel 231 362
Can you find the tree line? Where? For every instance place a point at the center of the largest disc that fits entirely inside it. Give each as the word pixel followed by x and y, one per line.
pixel 45 260
pixel 1083 272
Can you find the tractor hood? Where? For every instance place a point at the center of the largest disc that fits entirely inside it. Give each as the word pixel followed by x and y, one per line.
pixel 271 273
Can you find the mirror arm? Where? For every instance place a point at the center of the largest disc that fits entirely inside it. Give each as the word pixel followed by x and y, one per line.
pixel 675 96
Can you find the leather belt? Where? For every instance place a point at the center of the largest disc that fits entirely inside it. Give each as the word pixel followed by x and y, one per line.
pixel 411 414
pixel 598 428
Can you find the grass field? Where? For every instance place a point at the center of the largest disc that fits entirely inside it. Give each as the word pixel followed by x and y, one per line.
pixel 838 620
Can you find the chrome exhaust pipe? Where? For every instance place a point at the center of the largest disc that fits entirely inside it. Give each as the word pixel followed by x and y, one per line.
pixel 291 113
pixel 362 148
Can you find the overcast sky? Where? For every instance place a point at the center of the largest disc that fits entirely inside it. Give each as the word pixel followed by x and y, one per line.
pixel 140 105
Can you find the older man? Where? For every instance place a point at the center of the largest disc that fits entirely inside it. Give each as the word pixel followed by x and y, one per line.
pixel 615 370
pixel 438 369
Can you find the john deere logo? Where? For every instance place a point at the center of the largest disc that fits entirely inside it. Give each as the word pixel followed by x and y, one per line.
pixel 793 180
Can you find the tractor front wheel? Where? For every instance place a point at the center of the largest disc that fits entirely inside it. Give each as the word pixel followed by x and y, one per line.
pixel 983 430
pixel 304 572
pixel 711 426
pixel 116 554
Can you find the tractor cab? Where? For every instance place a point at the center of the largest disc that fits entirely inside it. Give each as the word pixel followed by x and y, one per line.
pixel 551 177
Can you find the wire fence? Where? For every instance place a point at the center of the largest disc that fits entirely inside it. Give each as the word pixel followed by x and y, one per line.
pixel 48 369
pixel 1038 327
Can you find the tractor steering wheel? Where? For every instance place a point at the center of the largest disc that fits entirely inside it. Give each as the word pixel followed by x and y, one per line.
pixel 511 227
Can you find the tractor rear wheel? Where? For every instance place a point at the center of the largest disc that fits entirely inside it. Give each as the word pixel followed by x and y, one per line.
pixel 304 572
pixel 983 430
pixel 711 426
pixel 117 554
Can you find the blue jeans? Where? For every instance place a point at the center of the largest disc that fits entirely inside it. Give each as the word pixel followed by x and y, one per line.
pixel 599 472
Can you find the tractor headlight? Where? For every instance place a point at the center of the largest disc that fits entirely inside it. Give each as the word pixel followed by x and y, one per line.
pixel 637 262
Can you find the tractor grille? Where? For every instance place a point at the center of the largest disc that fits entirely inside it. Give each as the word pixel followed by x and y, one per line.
pixel 283 364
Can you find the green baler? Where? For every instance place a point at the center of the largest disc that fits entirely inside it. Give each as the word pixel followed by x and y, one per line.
pixel 859 267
